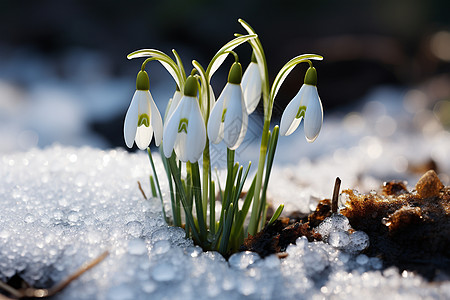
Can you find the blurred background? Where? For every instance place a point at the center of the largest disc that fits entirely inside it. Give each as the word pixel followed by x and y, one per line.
pixel 64 76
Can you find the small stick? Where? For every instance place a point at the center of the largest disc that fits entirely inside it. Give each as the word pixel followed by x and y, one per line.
pixel 142 191
pixel 334 200
pixel 10 290
pixel 77 274
pixel 43 293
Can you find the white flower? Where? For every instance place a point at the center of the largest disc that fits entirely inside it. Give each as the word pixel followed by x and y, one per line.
pixel 185 130
pixel 228 119
pixel 251 86
pixel 142 118
pixel 306 104
pixel 173 103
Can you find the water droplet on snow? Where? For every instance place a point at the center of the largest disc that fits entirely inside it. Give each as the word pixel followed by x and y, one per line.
pixel 242 260
pixel 339 239
pixel 134 228
pixel 29 218
pixel 163 272
pixel 161 247
pixel 137 247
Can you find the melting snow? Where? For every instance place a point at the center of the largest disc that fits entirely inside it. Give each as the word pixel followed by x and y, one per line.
pixel 63 206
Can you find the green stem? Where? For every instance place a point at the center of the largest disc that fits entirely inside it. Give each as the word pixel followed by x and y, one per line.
pixel 206 177
pixel 212 208
pixel 254 219
pixel 270 157
pixel 226 196
pixel 196 187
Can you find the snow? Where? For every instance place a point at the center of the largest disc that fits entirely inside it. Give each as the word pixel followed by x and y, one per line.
pixel 63 206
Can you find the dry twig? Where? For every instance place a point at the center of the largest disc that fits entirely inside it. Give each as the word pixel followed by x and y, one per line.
pixel 334 200
pixel 31 292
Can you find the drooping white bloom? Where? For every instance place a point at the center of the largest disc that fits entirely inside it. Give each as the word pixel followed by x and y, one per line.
pixel 251 86
pixel 185 130
pixel 306 104
pixel 173 103
pixel 228 120
pixel 143 117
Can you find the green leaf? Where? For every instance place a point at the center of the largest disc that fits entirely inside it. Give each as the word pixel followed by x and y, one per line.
pixel 182 193
pixel 164 59
pixel 276 214
pixel 246 206
pixel 286 69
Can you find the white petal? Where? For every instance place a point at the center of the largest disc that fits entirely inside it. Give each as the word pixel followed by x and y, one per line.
pixel 171 131
pixel 252 87
pixel 196 136
pixel 131 120
pixel 184 109
pixel 313 116
pixel 143 136
pixel 174 103
pixel 244 126
pixel 215 125
pixel 212 98
pixel 289 122
pixel 180 147
pixel 155 121
pixel 233 117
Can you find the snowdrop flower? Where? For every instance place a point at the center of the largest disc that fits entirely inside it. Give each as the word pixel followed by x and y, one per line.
pixel 228 119
pixel 185 130
pixel 251 85
pixel 306 104
pixel 142 118
pixel 173 103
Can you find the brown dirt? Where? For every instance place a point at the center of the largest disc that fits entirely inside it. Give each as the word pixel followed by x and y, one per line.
pixel 410 230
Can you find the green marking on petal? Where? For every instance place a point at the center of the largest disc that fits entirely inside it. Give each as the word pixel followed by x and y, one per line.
pixel 301 112
pixel 182 126
pixel 143 120
pixel 223 115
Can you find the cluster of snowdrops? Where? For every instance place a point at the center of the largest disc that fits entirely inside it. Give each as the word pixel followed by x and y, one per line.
pixel 194 119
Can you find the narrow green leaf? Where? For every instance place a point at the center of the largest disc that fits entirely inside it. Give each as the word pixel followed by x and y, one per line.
pixel 276 214
pixel 227 230
pixel 246 206
pixel 179 185
pixel 153 187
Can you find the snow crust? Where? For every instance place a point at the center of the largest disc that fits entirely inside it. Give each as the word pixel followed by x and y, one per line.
pixel 63 206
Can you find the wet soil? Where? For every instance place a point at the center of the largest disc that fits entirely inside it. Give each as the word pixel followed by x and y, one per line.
pixel 407 229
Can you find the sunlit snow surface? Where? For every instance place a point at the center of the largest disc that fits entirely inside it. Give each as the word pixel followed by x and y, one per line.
pixel 64 206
